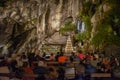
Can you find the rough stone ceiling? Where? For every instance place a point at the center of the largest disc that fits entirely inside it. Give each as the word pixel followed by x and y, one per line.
pixel 56 39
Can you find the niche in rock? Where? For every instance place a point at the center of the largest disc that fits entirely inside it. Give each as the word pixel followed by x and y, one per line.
pixel 80 26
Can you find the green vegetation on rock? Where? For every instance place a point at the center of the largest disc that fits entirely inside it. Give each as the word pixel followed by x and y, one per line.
pixel 86 34
pixel 68 27
pixel 108 31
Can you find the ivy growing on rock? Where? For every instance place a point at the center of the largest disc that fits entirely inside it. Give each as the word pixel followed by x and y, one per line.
pixel 108 31
pixel 68 27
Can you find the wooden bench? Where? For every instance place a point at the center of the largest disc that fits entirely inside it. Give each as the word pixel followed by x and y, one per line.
pixel 100 75
pixel 70 73
pixel 67 75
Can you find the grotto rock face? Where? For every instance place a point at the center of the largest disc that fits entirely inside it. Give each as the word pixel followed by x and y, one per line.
pixel 25 24
pixel 99 15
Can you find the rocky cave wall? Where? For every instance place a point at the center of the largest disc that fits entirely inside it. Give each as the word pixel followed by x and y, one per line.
pixel 25 24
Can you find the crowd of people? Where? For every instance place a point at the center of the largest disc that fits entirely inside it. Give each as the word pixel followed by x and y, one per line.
pixel 32 63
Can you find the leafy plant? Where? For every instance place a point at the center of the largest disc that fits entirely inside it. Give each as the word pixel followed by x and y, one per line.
pixel 105 36
pixel 108 26
pixel 82 36
pixel 68 27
